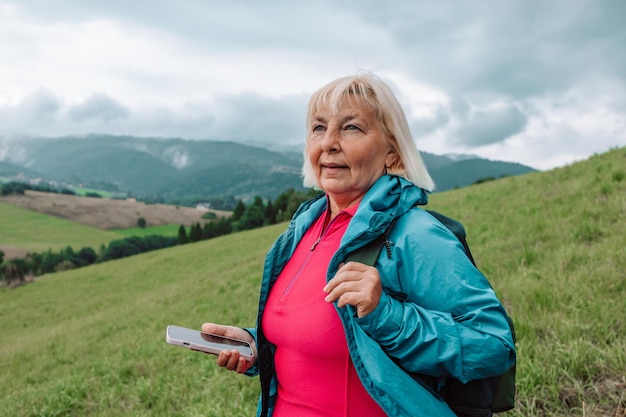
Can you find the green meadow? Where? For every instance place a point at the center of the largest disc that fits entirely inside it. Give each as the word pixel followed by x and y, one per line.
pixel 36 232
pixel 91 341
pixel 103 193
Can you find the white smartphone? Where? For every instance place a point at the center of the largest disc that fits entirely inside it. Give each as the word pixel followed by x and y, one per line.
pixel 206 342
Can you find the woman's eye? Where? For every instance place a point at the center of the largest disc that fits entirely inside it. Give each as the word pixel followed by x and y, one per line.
pixel 352 127
pixel 318 128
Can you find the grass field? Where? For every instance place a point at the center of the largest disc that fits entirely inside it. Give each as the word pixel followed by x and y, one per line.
pixel 552 244
pixel 37 232
pixel 90 342
pixel 105 194
pixel 34 232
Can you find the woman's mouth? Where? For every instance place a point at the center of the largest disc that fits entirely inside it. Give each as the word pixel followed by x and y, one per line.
pixel 333 166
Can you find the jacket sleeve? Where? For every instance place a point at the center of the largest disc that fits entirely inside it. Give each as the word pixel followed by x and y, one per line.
pixel 254 370
pixel 447 320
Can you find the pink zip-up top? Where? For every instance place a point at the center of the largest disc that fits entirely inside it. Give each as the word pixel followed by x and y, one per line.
pixel 316 376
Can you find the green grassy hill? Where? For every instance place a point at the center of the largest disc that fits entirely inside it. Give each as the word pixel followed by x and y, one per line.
pixel 90 342
pixel 552 244
pixel 35 232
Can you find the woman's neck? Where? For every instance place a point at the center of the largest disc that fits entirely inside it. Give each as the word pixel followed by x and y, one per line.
pixel 335 206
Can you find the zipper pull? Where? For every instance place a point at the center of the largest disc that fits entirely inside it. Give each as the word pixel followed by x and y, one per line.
pixel 387 247
pixel 315 243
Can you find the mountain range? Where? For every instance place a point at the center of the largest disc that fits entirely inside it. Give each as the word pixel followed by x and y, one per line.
pixel 173 168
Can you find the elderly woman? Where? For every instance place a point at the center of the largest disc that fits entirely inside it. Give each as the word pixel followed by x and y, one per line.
pixel 337 338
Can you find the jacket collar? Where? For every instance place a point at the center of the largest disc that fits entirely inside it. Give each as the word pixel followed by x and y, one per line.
pixel 390 197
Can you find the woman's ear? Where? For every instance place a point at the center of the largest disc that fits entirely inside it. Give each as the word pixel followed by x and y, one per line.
pixel 392 157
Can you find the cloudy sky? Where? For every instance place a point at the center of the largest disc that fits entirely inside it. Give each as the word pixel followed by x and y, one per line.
pixel 533 81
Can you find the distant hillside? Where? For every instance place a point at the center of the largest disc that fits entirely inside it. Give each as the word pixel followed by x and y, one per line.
pixel 170 169
pixel 8 169
pixel 451 173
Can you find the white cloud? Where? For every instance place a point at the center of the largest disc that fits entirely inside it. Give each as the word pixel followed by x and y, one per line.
pixel 98 107
pixel 537 82
pixel 485 126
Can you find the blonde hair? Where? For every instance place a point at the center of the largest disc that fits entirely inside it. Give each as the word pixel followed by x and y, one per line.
pixel 369 90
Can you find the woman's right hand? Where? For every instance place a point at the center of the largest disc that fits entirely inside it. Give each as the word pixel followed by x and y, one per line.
pixel 230 359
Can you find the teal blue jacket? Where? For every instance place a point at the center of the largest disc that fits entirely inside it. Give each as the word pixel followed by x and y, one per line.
pixel 437 315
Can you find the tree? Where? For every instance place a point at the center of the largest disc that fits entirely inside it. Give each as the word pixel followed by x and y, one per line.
pixel 182 235
pixel 239 210
pixel 141 222
pixel 68 254
pixel 281 202
pixel 12 188
pixel 253 217
pixel 222 227
pixel 33 260
pixel 288 202
pixel 120 248
pixel 208 231
pixel 209 215
pixel 49 261
pixel 195 233
pixel 217 228
pixel 154 242
pixel 270 213
pixel 85 256
pixel 14 272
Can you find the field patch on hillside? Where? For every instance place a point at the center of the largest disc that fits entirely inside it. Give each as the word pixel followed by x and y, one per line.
pixel 23 230
pixel 104 213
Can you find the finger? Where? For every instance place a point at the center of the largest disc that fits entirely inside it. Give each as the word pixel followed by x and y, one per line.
pixel 243 365
pixel 348 298
pixel 343 274
pixel 233 361
pixel 231 357
pixel 223 358
pixel 341 288
pixel 354 266
pixel 363 302
pixel 215 329
pixel 227 331
pixel 363 294
pixel 352 271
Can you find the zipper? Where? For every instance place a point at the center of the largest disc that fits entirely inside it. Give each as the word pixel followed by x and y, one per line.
pixel 316 243
pixel 295 277
pixel 306 261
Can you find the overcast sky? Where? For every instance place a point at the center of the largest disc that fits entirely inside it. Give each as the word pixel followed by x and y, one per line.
pixel 541 82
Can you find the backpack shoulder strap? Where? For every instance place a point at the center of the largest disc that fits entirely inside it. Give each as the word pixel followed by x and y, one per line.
pixel 455 227
pixel 369 253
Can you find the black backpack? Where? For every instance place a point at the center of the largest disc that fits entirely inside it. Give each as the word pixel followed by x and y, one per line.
pixel 478 398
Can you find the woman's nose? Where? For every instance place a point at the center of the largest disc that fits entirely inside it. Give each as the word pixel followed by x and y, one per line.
pixel 330 141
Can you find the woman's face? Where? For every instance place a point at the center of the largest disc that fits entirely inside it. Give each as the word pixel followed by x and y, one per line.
pixel 348 152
